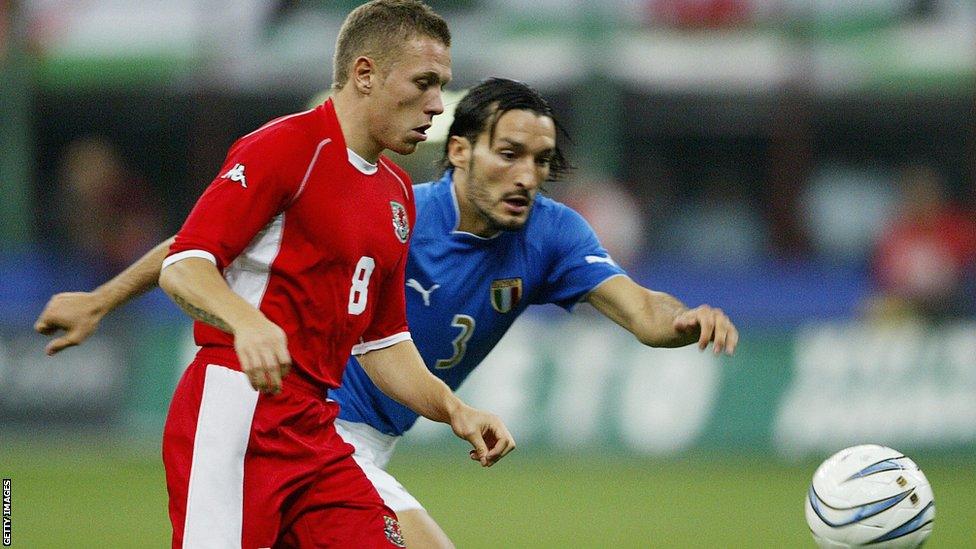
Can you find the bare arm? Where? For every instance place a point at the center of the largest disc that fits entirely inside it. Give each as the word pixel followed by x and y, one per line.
pixel 658 319
pixel 79 313
pixel 136 279
pixel 197 287
pixel 399 372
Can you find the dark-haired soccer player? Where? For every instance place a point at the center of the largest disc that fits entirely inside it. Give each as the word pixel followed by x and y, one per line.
pixel 485 246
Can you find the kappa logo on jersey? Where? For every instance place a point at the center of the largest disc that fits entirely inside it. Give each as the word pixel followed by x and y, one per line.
pixel 597 259
pixel 401 224
pixel 412 283
pixel 506 294
pixel 236 174
pixel 392 531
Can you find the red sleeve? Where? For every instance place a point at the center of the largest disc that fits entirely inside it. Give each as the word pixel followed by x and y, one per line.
pixel 390 316
pixel 260 176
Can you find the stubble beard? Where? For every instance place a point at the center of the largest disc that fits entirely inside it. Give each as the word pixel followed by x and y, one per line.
pixel 484 203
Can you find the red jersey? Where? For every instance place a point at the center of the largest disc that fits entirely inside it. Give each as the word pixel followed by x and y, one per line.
pixel 310 234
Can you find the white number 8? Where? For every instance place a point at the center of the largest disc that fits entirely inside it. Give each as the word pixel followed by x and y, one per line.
pixel 360 285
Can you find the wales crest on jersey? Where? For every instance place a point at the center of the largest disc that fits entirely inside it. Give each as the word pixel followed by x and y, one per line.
pixel 392 531
pixel 401 223
pixel 505 294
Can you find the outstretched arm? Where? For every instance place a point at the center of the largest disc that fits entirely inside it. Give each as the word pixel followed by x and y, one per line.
pixel 79 313
pixel 399 371
pixel 658 319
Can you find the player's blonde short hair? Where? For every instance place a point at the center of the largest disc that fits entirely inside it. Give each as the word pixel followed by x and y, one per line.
pixel 379 28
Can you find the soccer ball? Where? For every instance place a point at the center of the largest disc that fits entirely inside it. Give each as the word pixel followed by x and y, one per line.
pixel 869 495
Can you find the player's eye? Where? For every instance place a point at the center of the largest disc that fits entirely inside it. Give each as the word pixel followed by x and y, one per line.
pixel 507 154
pixel 543 161
pixel 423 84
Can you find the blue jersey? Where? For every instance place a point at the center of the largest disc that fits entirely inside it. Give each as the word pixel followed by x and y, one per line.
pixel 465 291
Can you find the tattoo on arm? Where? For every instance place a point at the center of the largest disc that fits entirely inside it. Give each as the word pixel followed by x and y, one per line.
pixel 202 315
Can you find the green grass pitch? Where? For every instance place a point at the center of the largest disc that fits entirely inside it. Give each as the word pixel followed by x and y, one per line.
pixel 95 494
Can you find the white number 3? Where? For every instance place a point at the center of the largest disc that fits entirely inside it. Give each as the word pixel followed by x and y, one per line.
pixel 360 285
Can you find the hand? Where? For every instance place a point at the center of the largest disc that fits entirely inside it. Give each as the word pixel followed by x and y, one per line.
pixel 485 431
pixel 262 349
pixel 714 326
pixel 77 313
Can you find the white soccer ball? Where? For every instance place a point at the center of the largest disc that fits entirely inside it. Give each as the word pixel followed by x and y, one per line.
pixel 869 495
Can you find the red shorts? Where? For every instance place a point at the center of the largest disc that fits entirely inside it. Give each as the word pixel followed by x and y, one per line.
pixel 252 470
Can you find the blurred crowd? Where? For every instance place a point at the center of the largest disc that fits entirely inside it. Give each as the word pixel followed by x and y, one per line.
pixel 923 260
pixel 106 216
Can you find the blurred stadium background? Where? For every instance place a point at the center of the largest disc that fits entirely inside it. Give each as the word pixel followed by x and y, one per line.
pixel 808 165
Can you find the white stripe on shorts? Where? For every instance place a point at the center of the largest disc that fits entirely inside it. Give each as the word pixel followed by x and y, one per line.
pixel 215 498
pixel 373 452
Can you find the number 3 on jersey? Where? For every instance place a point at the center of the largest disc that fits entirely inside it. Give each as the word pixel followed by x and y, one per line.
pixel 360 285
pixel 466 323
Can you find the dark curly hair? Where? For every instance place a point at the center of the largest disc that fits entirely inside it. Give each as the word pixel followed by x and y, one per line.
pixel 485 103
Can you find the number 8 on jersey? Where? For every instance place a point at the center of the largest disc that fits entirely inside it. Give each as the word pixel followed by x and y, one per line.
pixel 360 285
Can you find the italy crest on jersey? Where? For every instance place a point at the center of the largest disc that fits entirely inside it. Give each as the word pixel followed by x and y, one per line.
pixel 401 224
pixel 505 294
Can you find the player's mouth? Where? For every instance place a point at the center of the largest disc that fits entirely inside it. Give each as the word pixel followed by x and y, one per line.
pixel 517 204
pixel 420 132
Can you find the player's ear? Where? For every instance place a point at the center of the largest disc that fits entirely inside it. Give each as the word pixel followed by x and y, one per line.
pixel 364 74
pixel 459 151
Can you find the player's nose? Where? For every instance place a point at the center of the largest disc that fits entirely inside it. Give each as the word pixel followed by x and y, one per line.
pixel 435 105
pixel 526 176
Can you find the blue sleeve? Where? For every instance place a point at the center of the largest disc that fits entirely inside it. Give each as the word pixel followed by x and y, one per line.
pixel 577 262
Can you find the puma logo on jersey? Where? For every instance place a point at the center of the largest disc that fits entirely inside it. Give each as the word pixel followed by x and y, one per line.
pixel 598 259
pixel 236 174
pixel 412 283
